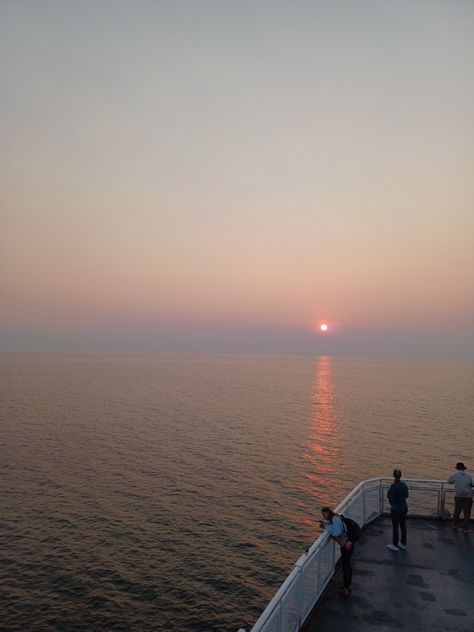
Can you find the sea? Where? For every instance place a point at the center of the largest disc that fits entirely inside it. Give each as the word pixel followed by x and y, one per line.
pixel 176 492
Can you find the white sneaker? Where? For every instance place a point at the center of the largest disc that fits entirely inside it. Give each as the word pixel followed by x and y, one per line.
pixel 402 546
pixel 392 547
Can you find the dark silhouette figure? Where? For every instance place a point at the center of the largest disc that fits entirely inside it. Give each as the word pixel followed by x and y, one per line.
pixel 397 495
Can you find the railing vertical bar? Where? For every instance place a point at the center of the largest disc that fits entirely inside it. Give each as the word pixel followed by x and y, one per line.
pixel 364 513
pixel 300 597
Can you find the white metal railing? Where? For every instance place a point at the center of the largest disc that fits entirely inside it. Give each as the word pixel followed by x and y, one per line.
pixel 299 593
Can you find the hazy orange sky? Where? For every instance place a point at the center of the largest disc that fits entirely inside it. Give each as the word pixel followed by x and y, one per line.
pixel 218 176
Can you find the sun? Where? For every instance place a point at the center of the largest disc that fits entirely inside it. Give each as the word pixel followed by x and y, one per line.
pixel 323 327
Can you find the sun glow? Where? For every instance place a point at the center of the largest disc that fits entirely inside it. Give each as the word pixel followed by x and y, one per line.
pixel 323 327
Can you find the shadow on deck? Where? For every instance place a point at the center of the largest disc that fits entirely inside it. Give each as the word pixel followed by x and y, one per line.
pixel 430 586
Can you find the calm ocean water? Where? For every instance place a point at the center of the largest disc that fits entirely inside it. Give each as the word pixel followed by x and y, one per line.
pixel 176 492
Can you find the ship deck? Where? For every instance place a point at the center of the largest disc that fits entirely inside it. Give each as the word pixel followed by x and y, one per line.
pixel 430 586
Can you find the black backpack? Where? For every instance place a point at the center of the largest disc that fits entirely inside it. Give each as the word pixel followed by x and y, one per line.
pixel 352 528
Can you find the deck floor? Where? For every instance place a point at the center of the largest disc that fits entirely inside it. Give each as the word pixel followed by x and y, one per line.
pixel 430 586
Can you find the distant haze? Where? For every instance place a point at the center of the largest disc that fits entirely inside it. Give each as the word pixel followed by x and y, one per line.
pixel 225 176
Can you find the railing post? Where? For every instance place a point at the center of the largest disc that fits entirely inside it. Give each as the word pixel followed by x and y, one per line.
pixel 299 596
pixel 364 513
pixel 442 502
pixel 318 577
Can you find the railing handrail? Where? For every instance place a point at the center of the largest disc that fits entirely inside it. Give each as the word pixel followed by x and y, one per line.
pixel 321 541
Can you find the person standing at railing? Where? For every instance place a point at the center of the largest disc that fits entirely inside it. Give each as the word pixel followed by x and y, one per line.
pixel 334 526
pixel 462 495
pixel 397 496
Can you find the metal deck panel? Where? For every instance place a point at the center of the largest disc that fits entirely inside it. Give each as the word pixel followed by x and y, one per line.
pixel 430 586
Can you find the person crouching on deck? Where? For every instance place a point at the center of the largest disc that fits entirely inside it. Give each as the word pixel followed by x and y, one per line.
pixel 335 528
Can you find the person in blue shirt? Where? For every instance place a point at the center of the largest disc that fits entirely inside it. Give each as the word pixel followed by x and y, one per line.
pixel 334 526
pixel 397 495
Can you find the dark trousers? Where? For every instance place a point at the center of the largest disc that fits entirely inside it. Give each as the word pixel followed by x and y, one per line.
pixel 464 504
pixel 399 519
pixel 346 566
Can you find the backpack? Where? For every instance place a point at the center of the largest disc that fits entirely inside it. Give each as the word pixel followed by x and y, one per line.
pixel 352 528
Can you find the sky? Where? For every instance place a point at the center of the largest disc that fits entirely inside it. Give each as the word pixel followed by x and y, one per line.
pixel 217 176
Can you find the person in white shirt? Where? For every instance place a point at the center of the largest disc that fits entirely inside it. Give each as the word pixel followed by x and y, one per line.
pixel 462 495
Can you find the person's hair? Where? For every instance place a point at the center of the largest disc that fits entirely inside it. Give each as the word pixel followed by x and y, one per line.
pixel 329 512
pixel 397 474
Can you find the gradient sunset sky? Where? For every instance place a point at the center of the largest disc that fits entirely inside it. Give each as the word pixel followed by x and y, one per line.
pixel 225 176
